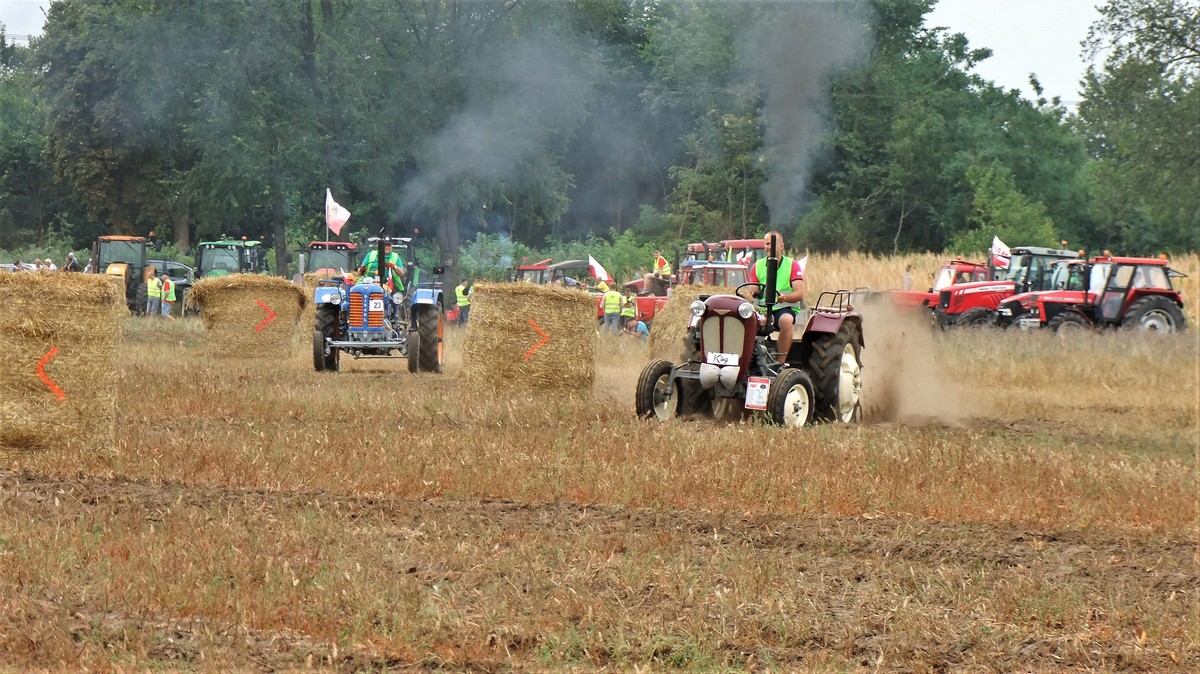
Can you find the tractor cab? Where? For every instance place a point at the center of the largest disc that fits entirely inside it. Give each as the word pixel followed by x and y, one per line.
pixel 538 272
pixel 744 251
pixel 123 258
pixel 331 257
pixel 230 256
pixel 1030 269
pixel 725 274
pixel 699 253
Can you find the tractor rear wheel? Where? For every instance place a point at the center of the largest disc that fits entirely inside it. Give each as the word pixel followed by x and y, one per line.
pixel 140 298
pixel 425 343
pixel 976 318
pixel 836 364
pixel 1069 323
pixel 790 399
pixel 1155 314
pixel 654 398
pixel 325 327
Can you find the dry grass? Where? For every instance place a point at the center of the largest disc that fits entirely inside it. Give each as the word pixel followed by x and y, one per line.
pixel 1024 504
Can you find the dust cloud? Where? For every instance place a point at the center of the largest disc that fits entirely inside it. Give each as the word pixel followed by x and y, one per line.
pixel 903 381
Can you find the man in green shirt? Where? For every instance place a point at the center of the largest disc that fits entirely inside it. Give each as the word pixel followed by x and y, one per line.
pixel 393 267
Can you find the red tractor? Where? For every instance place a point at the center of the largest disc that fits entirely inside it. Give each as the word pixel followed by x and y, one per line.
pixel 331 258
pixel 951 273
pixel 1126 292
pixel 730 366
pixel 975 303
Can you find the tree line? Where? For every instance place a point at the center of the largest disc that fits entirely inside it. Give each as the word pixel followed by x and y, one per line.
pixel 849 125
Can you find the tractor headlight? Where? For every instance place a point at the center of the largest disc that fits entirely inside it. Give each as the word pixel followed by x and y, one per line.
pixel 398 298
pixel 333 299
pixel 746 310
pixel 1004 311
pixel 697 308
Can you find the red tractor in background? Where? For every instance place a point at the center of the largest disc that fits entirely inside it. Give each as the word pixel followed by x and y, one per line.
pixel 974 304
pixel 1126 292
pixel 951 273
pixel 331 258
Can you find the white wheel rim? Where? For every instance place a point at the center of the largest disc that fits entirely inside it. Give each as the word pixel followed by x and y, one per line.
pixel 795 406
pixel 1157 320
pixel 849 384
pixel 663 397
pixel 724 408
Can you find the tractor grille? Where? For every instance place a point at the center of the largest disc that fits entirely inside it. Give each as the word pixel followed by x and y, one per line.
pixel 724 334
pixel 360 317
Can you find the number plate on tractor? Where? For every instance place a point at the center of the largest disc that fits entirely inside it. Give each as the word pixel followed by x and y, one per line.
pixel 756 393
pixel 717 358
pixel 375 305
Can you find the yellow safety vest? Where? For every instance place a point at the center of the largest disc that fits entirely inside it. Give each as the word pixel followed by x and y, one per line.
pixel 168 290
pixel 630 308
pixel 461 293
pixel 154 288
pixel 612 302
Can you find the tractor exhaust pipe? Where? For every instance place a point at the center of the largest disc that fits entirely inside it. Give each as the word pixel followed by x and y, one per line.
pixel 770 296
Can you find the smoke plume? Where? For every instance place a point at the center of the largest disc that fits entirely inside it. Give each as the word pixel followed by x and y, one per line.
pixel 791 53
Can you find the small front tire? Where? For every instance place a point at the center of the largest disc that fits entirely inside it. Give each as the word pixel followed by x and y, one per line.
pixel 656 396
pixel 790 400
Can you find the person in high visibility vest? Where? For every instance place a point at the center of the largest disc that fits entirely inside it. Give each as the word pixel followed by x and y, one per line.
pixel 392 265
pixel 789 287
pixel 612 311
pixel 462 293
pixel 168 296
pixel 153 294
pixel 628 307
pixel 659 269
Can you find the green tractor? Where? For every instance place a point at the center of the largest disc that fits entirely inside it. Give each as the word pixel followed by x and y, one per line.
pixel 231 256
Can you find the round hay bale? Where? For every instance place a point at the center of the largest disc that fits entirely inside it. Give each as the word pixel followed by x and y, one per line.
pixel 670 322
pixel 237 313
pixel 530 337
pixel 58 377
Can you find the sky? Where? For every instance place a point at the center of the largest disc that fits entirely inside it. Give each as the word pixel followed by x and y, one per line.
pixel 1039 36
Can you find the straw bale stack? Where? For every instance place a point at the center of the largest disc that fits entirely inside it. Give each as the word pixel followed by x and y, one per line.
pixel 235 322
pixel 58 377
pixel 670 322
pixel 499 350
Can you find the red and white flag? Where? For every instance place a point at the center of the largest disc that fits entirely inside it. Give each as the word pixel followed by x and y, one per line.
pixel 803 264
pixel 1000 253
pixel 598 270
pixel 335 214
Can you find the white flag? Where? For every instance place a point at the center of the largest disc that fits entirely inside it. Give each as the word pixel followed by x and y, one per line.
pixel 1000 253
pixel 803 264
pixel 598 270
pixel 335 215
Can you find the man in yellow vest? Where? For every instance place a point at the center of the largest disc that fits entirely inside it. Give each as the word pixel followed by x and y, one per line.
pixel 462 293
pixel 168 296
pixel 789 288
pixel 660 269
pixel 628 307
pixel 153 294
pixel 612 311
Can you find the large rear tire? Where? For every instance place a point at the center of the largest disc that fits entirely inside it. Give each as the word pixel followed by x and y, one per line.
pixel 325 327
pixel 425 343
pixel 140 297
pixel 1155 314
pixel 654 398
pixel 836 363
pixel 790 399
pixel 976 318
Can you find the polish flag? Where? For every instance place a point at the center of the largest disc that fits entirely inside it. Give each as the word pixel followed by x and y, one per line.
pixel 335 214
pixel 1000 253
pixel 598 270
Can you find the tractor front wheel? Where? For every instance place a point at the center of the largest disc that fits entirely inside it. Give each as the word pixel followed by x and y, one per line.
pixel 976 318
pixel 837 365
pixel 655 398
pixel 1069 323
pixel 1155 314
pixel 325 328
pixel 790 399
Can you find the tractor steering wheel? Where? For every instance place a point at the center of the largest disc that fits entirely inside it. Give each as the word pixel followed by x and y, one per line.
pixel 761 287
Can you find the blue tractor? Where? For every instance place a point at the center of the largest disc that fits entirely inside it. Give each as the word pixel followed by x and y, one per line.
pixel 366 320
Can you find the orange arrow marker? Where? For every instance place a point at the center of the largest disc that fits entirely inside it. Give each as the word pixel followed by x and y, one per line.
pixel 270 316
pixel 41 373
pixel 545 338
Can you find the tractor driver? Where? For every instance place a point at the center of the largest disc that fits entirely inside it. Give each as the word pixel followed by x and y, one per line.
pixel 391 263
pixel 789 288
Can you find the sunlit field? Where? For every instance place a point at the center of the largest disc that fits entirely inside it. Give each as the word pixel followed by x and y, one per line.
pixel 1015 501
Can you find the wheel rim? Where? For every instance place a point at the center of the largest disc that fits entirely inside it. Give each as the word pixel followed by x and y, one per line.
pixel 849 385
pixel 1157 320
pixel 726 409
pixel 662 396
pixel 795 406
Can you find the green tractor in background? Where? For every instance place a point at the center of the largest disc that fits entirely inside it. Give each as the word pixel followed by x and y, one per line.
pixel 231 256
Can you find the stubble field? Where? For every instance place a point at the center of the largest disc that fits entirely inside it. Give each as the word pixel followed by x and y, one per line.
pixel 1018 503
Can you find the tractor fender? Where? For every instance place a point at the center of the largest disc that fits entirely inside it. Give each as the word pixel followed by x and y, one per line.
pixel 327 295
pixel 431 296
pixel 831 323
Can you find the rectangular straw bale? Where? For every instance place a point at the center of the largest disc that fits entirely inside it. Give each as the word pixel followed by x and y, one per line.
pixel 670 322
pixel 229 307
pixel 499 350
pixel 71 325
